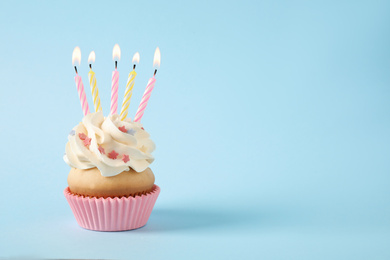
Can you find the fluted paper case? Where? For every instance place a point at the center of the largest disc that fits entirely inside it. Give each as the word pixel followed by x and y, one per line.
pixel 112 214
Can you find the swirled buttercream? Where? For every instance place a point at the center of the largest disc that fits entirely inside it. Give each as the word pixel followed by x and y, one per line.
pixel 109 144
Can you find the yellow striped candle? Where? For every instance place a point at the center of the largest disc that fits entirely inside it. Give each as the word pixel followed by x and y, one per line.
pixel 93 84
pixel 129 88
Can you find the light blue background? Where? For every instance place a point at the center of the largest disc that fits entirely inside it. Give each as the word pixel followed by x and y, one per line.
pixel 271 121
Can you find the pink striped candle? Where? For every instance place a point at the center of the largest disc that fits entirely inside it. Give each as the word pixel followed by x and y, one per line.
pixel 82 96
pixel 76 57
pixel 149 87
pixel 145 99
pixel 116 56
pixel 114 92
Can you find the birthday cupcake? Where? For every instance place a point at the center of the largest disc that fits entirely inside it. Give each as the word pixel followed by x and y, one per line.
pixel 110 184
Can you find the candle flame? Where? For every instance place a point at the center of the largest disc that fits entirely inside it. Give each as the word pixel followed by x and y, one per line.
pixel 76 56
pixel 136 57
pixel 91 57
pixel 157 58
pixel 116 53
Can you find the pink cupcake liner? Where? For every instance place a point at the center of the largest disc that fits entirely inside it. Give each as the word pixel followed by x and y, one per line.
pixel 112 214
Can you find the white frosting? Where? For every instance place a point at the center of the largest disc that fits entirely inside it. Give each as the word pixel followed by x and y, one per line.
pixel 105 133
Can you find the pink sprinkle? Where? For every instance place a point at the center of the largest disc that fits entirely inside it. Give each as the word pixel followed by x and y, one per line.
pixel 125 158
pixel 101 150
pixel 87 141
pixel 82 136
pixel 113 155
pixel 123 129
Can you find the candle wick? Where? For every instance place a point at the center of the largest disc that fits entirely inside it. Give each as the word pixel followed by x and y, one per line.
pixel 155 71
pixel 134 67
pixel 75 69
pixel 90 66
pixel 116 64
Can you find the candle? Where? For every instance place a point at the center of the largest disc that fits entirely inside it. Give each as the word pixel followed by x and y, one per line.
pixel 76 56
pixel 93 84
pixel 149 87
pixel 129 88
pixel 116 55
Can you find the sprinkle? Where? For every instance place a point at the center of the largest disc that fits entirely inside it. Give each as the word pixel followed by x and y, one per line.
pixel 123 129
pixel 72 133
pixel 131 131
pixel 113 155
pixel 101 150
pixel 143 128
pixel 125 158
pixel 87 141
pixel 143 149
pixel 82 136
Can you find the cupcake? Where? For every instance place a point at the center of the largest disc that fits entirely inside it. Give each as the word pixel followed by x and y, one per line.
pixel 111 187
